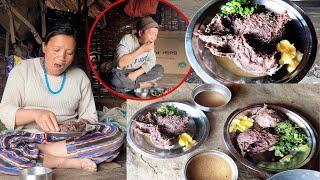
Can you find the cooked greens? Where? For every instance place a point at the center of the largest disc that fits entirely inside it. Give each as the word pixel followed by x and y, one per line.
pixel 293 139
pixel 239 8
pixel 169 110
pixel 292 147
pixel 288 161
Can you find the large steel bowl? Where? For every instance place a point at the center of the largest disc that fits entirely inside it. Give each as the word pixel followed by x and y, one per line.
pixel 198 129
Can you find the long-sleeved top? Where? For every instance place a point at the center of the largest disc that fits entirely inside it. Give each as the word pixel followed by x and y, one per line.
pixel 26 89
pixel 130 43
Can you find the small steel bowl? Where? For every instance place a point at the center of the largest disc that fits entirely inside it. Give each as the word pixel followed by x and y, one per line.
pixel 227 158
pixel 219 88
pixel 36 173
pixel 143 93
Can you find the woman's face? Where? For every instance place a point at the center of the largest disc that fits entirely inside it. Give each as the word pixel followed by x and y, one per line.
pixel 59 53
pixel 148 35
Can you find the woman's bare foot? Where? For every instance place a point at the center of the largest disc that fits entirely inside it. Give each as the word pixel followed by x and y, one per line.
pixel 88 165
pixel 73 163
pixel 79 163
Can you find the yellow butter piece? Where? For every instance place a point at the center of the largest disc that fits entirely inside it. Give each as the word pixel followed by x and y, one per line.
pixel 186 140
pixel 289 55
pixel 299 56
pixel 182 142
pixel 293 66
pixel 288 52
pixel 241 128
pixel 285 59
pixel 242 124
pixel 233 125
pixel 247 123
pixel 246 119
pixel 284 46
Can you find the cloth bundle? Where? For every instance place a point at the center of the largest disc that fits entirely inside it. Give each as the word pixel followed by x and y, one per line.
pixel 141 8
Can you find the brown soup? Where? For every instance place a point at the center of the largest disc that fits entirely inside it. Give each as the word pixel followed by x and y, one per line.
pixel 210 99
pixel 208 167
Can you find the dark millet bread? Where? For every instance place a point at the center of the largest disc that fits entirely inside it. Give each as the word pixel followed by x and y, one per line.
pixel 73 126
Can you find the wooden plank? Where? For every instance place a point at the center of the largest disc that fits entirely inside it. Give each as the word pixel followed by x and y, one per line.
pixel 27 23
pixel 13 40
pixel 43 18
pixel 6 52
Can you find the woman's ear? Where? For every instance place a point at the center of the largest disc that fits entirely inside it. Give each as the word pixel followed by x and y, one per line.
pixel 140 33
pixel 44 48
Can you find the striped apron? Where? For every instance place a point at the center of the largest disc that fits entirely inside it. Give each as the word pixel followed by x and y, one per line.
pixel 18 149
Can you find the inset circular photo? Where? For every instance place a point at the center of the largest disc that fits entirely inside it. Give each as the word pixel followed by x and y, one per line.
pixel 137 52
pixel 261 42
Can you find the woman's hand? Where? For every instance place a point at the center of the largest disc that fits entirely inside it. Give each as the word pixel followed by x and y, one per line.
pixel 46 120
pixel 149 46
pixel 135 74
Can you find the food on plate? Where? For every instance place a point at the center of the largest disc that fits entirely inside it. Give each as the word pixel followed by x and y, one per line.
pixel 292 138
pixel 162 126
pixel 73 126
pixel 267 118
pixel 255 141
pixel 169 110
pixel 239 8
pixel 244 37
pixel 268 138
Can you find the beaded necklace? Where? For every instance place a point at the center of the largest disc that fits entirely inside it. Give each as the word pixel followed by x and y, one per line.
pixel 47 81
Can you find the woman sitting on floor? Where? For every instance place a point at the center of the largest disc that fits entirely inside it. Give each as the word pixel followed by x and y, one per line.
pixel 41 93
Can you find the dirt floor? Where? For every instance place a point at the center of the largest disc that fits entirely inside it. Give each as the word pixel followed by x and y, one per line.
pixel 170 80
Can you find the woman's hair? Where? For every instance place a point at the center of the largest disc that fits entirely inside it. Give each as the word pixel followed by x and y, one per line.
pixel 61 28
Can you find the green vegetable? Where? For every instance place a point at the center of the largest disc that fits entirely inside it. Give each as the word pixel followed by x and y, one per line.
pixel 292 139
pixel 286 158
pixel 170 110
pixel 239 8
pixel 288 161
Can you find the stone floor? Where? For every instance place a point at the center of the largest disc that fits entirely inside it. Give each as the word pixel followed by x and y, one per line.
pixel 170 80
